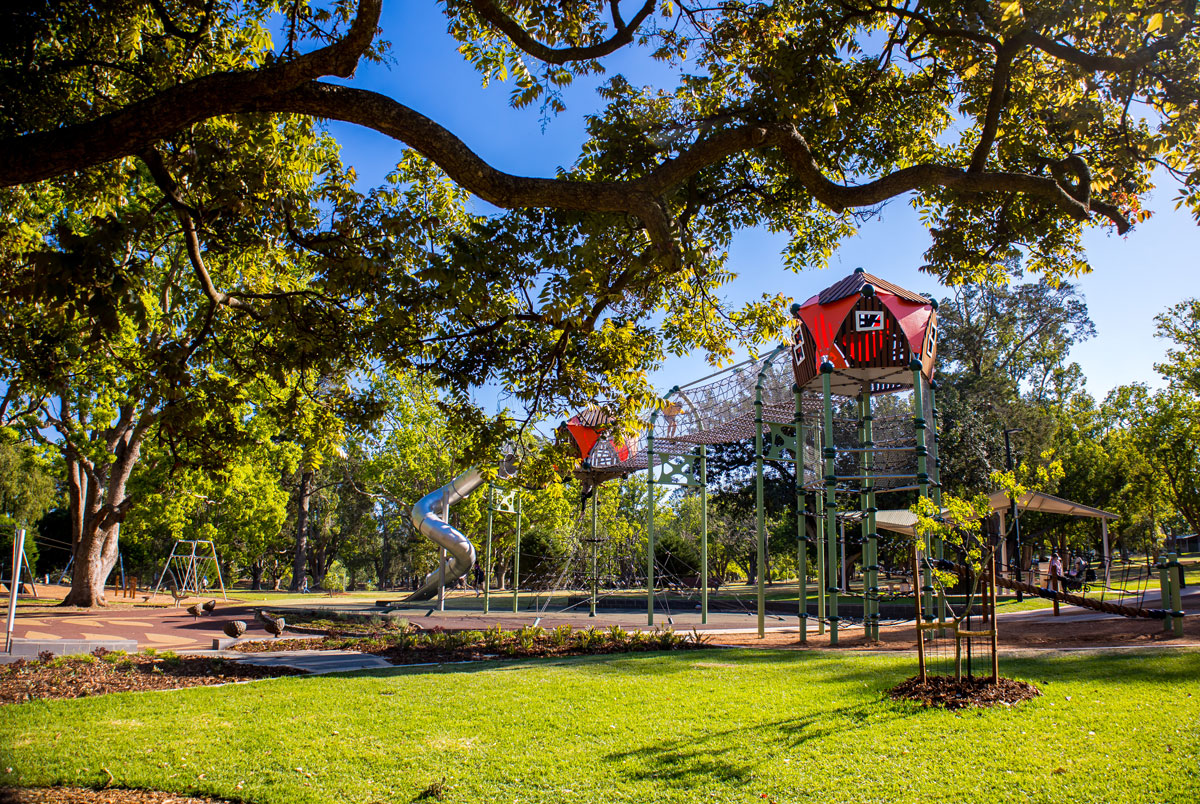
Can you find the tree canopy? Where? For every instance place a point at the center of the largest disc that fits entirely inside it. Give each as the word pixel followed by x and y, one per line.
pixel 186 265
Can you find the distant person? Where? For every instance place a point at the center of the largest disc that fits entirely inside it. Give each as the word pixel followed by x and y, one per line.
pixel 1055 572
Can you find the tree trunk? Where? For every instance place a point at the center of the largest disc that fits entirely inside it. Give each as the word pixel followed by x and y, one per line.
pixel 300 559
pixel 95 557
pixel 256 573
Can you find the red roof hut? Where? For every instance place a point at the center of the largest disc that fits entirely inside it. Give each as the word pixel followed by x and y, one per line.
pixel 870 330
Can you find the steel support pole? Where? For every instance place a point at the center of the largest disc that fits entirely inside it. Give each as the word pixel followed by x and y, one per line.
pixel 216 566
pixel 10 620
pixel 487 550
pixel 831 536
pixel 703 534
pixel 801 529
pixel 517 556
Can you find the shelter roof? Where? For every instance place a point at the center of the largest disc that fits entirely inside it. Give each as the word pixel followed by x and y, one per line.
pixel 1048 503
pixel 901 520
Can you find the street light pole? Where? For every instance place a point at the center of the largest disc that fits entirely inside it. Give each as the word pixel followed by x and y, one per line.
pixel 1012 508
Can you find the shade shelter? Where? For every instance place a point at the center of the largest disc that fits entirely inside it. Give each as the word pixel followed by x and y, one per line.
pixel 902 520
pixel 1049 504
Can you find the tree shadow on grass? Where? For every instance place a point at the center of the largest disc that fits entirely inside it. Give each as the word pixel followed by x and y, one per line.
pixel 1157 666
pixel 722 756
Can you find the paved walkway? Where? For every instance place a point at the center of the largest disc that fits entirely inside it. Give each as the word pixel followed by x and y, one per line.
pixel 173 628
pixel 159 628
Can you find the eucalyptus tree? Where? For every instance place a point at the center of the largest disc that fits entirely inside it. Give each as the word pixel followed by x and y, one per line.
pixel 1005 363
pixel 114 330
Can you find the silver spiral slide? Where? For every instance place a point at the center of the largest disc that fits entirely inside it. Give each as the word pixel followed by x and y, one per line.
pixel 429 518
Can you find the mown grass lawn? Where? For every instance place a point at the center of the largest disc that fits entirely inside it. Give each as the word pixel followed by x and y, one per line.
pixel 713 725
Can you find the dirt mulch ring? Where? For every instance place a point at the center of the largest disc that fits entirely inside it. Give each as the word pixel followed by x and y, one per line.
pixel 950 693
pixel 81 676
pixel 83 795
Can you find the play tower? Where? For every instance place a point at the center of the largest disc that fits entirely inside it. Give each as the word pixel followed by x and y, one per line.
pixel 860 338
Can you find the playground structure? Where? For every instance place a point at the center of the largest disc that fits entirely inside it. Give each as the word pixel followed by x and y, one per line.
pixel 814 402
pixel 193 567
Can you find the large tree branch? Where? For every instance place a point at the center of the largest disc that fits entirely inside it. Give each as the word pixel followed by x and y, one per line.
pixel 45 154
pixel 464 166
pixel 640 197
pixel 996 102
pixel 166 183
pixel 489 10
pixel 1108 64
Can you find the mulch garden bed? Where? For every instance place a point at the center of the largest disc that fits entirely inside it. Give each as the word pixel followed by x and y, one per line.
pixel 416 647
pixel 84 795
pixel 950 693
pixel 81 676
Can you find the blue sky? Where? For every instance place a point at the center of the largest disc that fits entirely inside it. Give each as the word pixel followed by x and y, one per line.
pixel 1136 276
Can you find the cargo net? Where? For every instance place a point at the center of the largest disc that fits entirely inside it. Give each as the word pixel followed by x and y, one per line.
pixel 893 459
pixel 719 409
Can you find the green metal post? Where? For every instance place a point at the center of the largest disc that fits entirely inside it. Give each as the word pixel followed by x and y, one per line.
pixel 831 540
pixel 1175 575
pixel 650 521
pixel 487 551
pixel 801 529
pixel 759 504
pixel 869 536
pixel 819 499
pixel 760 516
pixel 517 557
pixel 595 543
pixel 703 535
pixel 922 482
pixel 936 477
